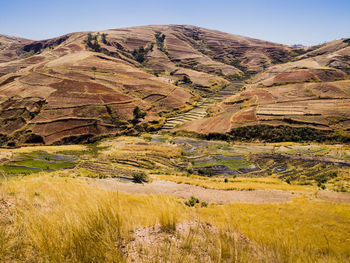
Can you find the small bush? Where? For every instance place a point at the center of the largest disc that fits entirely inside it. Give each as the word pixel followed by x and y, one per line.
pixel 332 174
pixel 140 177
pixel 305 183
pixel 321 179
pixel 205 172
pixel 226 180
pixel 138 113
pixel 192 201
pixel 190 171
pixel 186 80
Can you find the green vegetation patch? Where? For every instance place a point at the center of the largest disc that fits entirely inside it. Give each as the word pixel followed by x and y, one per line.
pixel 281 133
pixel 37 161
pixel 232 162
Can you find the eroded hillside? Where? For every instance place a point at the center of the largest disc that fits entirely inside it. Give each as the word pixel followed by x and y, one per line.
pixel 310 93
pixel 82 86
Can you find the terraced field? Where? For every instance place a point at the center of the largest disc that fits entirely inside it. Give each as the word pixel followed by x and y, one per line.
pixel 286 186
pixel 201 109
pixel 37 161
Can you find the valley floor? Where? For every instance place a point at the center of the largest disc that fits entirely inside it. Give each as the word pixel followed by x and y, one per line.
pixel 200 201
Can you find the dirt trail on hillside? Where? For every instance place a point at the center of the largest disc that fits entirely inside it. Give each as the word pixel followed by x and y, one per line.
pixel 186 191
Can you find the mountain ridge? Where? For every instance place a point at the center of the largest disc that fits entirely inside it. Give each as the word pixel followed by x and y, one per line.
pixel 85 85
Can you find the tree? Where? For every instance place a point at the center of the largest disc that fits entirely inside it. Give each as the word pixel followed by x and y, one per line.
pixel 186 80
pixel 141 53
pixel 138 114
pixel 103 38
pixel 92 42
pixel 94 70
pixel 89 37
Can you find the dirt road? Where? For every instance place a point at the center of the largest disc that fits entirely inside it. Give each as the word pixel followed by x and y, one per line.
pixel 186 191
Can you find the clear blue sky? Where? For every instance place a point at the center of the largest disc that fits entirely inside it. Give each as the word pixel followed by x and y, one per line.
pixel 284 21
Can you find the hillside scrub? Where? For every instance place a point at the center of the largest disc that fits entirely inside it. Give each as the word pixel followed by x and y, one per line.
pixel 281 133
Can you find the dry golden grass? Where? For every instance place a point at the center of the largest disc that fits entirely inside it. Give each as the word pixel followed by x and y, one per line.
pixel 239 183
pixel 139 153
pixel 135 146
pixel 57 219
pixel 49 149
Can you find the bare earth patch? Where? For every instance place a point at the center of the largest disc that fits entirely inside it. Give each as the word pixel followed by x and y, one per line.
pixel 186 191
pixel 190 242
pixel 335 197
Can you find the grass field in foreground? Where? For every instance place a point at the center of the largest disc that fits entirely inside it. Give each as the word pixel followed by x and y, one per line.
pixel 55 219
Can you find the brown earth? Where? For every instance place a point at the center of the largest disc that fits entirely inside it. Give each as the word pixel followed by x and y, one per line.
pixel 335 197
pixel 186 191
pixel 313 91
pixel 65 90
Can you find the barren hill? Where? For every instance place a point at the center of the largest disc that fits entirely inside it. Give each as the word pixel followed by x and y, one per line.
pixel 311 93
pixel 81 86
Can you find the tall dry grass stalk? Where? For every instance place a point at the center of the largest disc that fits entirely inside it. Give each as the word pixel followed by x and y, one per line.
pixel 66 220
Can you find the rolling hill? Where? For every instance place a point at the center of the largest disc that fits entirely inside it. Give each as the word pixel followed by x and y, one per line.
pixel 86 85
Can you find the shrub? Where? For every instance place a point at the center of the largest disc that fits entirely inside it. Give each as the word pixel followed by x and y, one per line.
pixel 320 179
pixel 173 72
pixel 94 70
pixel 190 171
pixel 204 204
pixel 186 80
pixel 332 174
pixel 226 180
pixel 192 201
pixel 138 114
pixel 305 183
pixel 140 177
pixel 205 172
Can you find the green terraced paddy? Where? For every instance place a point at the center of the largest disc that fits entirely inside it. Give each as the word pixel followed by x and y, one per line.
pixel 27 163
pixel 232 162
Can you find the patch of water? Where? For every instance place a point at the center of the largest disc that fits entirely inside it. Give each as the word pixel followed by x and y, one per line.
pixel 281 169
pixel 128 179
pixel 29 168
pixel 229 158
pixel 56 158
pixel 189 150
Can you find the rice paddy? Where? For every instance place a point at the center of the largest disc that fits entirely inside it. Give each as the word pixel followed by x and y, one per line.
pixel 37 161
pixel 53 208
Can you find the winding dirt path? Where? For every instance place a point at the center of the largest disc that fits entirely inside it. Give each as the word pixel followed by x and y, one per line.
pixel 186 191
